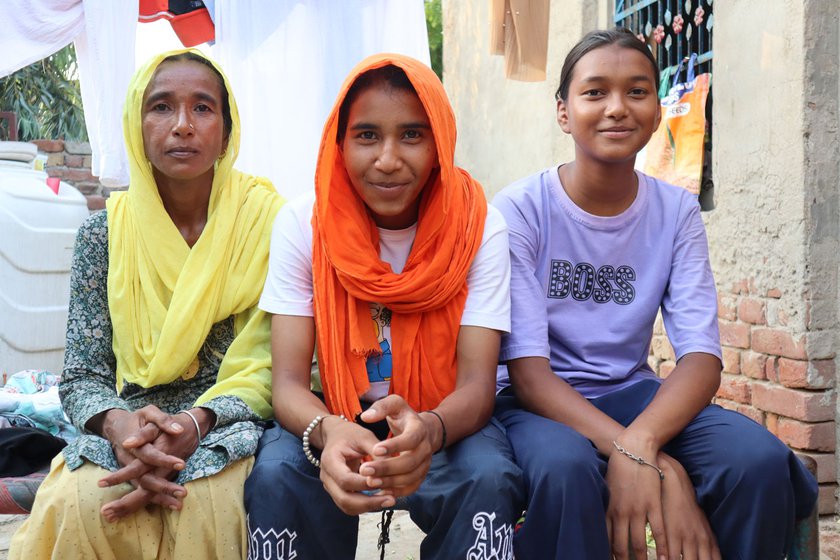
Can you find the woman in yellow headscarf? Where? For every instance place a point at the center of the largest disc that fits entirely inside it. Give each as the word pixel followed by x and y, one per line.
pixel 167 366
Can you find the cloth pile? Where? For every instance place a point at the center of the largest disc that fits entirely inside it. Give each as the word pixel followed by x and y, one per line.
pixel 33 429
pixel 30 400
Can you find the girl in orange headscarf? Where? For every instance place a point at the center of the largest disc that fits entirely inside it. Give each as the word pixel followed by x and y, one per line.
pixel 400 272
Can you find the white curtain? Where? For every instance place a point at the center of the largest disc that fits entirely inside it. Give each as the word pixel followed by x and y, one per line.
pixel 105 50
pixel 286 61
pixel 104 34
pixel 35 29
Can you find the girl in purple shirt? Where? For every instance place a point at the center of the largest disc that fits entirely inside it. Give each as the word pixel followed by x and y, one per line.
pixel 597 250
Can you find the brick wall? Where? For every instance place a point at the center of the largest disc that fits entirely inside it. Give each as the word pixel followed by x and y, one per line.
pixel 769 377
pixel 71 162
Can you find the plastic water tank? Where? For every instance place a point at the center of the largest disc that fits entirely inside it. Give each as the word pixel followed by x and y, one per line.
pixel 37 232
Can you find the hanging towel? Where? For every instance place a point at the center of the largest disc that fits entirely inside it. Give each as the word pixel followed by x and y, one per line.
pixel 519 31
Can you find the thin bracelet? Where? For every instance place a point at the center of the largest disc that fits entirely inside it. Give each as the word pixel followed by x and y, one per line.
pixel 308 432
pixel 195 421
pixel 639 459
pixel 442 428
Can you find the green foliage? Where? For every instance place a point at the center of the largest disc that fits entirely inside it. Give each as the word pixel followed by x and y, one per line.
pixel 46 97
pixel 434 27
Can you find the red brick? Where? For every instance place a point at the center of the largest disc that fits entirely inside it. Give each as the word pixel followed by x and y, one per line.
pixel 745 409
pixel 802 435
pixel 95 202
pixel 830 541
pixel 726 307
pixel 752 365
pixel 734 334
pixel 87 161
pixel 825 502
pixel 81 148
pixel 665 368
pixel 826 466
pixel 731 360
pixel 774 293
pixel 778 343
pixel 70 174
pixel 741 287
pixel 771 422
pixel 49 146
pixel 752 412
pixel 55 159
pixel 730 405
pixel 752 311
pixel 734 388
pixel 74 161
pixel 661 348
pixel 818 374
pixel 808 406
pixel 771 369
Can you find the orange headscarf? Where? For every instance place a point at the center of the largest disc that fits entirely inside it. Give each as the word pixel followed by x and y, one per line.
pixel 427 299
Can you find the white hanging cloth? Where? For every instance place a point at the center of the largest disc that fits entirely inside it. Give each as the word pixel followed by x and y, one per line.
pixel 104 34
pixel 35 29
pixel 286 62
pixel 105 51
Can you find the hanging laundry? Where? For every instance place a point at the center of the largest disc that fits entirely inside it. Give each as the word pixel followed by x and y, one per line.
pixel 519 31
pixel 288 60
pixel 190 19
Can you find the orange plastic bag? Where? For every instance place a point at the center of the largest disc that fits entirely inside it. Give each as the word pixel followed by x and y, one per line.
pixel 675 151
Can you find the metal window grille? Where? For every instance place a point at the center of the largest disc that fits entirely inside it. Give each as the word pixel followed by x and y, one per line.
pixel 673 30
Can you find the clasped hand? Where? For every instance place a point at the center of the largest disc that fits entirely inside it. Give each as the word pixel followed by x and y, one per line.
pixel 637 496
pixel 151 447
pixel 364 474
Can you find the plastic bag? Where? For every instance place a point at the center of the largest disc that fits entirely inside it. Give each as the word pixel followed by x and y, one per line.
pixel 675 151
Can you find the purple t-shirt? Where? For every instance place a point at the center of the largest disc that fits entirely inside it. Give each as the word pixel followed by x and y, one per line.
pixel 585 289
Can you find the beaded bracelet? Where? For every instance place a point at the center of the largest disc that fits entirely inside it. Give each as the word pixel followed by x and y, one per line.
pixel 307 432
pixel 639 460
pixel 442 429
pixel 195 421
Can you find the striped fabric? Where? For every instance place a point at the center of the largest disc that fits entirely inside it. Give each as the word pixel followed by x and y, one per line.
pixel 18 493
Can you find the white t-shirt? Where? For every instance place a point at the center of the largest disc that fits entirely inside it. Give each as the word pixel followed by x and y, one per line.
pixel 288 287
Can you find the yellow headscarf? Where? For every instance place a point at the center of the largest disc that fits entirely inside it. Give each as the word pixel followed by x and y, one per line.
pixel 163 296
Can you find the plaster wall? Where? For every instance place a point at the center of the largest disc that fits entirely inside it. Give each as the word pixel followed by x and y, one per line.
pixel 758 232
pixel 507 129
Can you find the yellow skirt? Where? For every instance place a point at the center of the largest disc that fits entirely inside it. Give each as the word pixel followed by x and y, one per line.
pixel 65 523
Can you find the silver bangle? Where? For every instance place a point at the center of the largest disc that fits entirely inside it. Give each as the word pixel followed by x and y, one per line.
pixel 195 421
pixel 307 451
pixel 639 459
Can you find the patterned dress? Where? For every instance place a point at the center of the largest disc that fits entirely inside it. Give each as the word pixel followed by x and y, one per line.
pixel 88 385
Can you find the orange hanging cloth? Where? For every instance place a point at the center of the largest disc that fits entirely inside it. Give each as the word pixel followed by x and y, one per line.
pixel 427 299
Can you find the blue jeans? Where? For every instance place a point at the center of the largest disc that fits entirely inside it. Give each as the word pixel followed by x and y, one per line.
pixel 749 484
pixel 468 503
